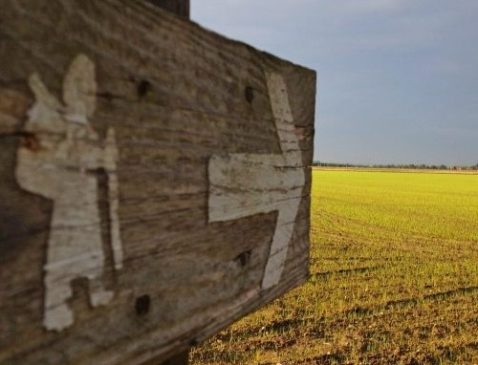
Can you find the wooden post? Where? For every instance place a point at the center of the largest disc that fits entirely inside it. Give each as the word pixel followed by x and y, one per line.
pixel 179 7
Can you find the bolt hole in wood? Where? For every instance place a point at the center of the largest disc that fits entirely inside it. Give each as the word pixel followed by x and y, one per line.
pixel 144 87
pixel 142 305
pixel 249 94
pixel 244 258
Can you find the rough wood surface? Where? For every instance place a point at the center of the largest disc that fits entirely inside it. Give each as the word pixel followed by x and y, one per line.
pixel 154 181
pixel 181 8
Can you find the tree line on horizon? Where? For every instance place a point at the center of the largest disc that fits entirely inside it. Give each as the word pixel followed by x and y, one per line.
pixel 395 166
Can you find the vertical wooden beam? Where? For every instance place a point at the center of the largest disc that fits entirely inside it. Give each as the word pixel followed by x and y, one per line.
pixel 179 7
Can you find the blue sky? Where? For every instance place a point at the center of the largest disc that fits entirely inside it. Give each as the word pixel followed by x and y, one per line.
pixel 398 79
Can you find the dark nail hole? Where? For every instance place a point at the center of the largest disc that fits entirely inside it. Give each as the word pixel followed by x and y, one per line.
pixel 142 305
pixel 144 87
pixel 244 258
pixel 249 94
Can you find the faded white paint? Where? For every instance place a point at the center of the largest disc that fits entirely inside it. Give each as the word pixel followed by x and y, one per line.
pixel 62 168
pixel 111 155
pixel 242 185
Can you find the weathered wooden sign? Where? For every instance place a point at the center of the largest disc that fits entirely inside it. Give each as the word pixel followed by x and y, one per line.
pixel 154 181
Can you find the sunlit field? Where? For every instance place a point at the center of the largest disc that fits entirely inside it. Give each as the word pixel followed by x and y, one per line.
pixel 394 278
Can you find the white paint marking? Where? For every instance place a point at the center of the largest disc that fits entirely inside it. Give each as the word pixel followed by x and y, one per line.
pixel 242 185
pixel 58 170
pixel 111 156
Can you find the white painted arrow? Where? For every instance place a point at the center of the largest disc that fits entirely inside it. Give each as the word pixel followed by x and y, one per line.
pixel 242 184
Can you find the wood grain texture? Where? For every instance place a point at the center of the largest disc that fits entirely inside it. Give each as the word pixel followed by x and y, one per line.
pixel 60 162
pixel 244 184
pixel 174 96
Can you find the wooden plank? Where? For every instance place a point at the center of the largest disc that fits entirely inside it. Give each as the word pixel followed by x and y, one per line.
pixel 125 234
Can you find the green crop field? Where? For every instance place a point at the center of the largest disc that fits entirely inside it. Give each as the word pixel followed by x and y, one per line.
pixel 394 278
